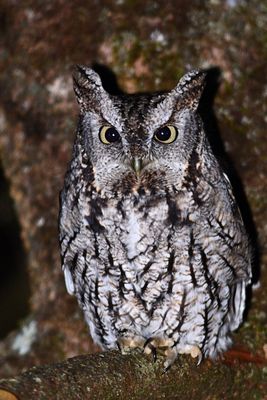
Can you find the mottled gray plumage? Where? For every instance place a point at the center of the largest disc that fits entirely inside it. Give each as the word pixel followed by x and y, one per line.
pixel 152 241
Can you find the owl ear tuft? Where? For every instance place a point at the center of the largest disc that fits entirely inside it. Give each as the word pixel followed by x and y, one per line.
pixel 190 88
pixel 87 86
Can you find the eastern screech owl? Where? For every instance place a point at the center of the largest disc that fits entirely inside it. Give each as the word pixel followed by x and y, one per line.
pixel 152 241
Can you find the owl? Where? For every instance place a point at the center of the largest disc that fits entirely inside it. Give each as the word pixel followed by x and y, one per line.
pixel 152 241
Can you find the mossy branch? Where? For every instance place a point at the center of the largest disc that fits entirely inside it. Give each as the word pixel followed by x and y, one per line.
pixel 111 375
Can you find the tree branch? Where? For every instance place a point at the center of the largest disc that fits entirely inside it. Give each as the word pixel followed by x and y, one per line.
pixel 111 375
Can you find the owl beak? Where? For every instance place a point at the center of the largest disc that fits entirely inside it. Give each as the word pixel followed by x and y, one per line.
pixel 137 165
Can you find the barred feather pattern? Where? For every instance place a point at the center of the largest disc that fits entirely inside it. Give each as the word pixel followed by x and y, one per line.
pixel 162 255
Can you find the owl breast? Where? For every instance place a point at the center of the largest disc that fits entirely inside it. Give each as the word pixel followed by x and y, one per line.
pixel 147 270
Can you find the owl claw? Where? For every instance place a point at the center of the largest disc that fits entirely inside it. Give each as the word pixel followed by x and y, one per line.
pixel 200 358
pixel 150 348
pixel 153 351
pixel 166 368
pixel 171 356
pixel 119 346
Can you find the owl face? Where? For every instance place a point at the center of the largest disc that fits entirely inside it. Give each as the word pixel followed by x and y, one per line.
pixel 138 141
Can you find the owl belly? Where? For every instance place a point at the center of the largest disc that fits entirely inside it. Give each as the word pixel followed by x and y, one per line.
pixel 148 278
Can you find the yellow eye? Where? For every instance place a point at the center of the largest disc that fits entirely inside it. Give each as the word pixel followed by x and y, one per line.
pixel 108 134
pixel 166 134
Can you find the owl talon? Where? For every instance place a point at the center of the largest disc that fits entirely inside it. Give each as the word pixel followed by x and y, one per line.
pixel 166 369
pixel 149 348
pixel 119 346
pixel 171 356
pixel 200 358
pixel 167 365
pixel 154 354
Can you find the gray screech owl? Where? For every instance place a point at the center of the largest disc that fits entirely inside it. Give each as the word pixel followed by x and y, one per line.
pixel 152 241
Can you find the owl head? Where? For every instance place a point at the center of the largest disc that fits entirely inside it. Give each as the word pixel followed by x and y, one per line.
pixel 138 141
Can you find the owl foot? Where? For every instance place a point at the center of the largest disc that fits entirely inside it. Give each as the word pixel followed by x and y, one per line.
pixel 126 344
pixel 172 353
pixel 149 348
pixel 157 345
pixel 167 348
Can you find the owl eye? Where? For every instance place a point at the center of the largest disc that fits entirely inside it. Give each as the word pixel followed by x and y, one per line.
pixel 166 134
pixel 108 134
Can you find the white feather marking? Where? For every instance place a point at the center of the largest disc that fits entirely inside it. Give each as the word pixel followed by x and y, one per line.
pixel 68 281
pixel 133 235
pixel 227 179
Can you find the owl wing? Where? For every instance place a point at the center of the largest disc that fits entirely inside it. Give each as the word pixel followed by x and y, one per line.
pixel 69 221
pixel 241 241
pixel 243 271
pixel 66 233
pixel 73 241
